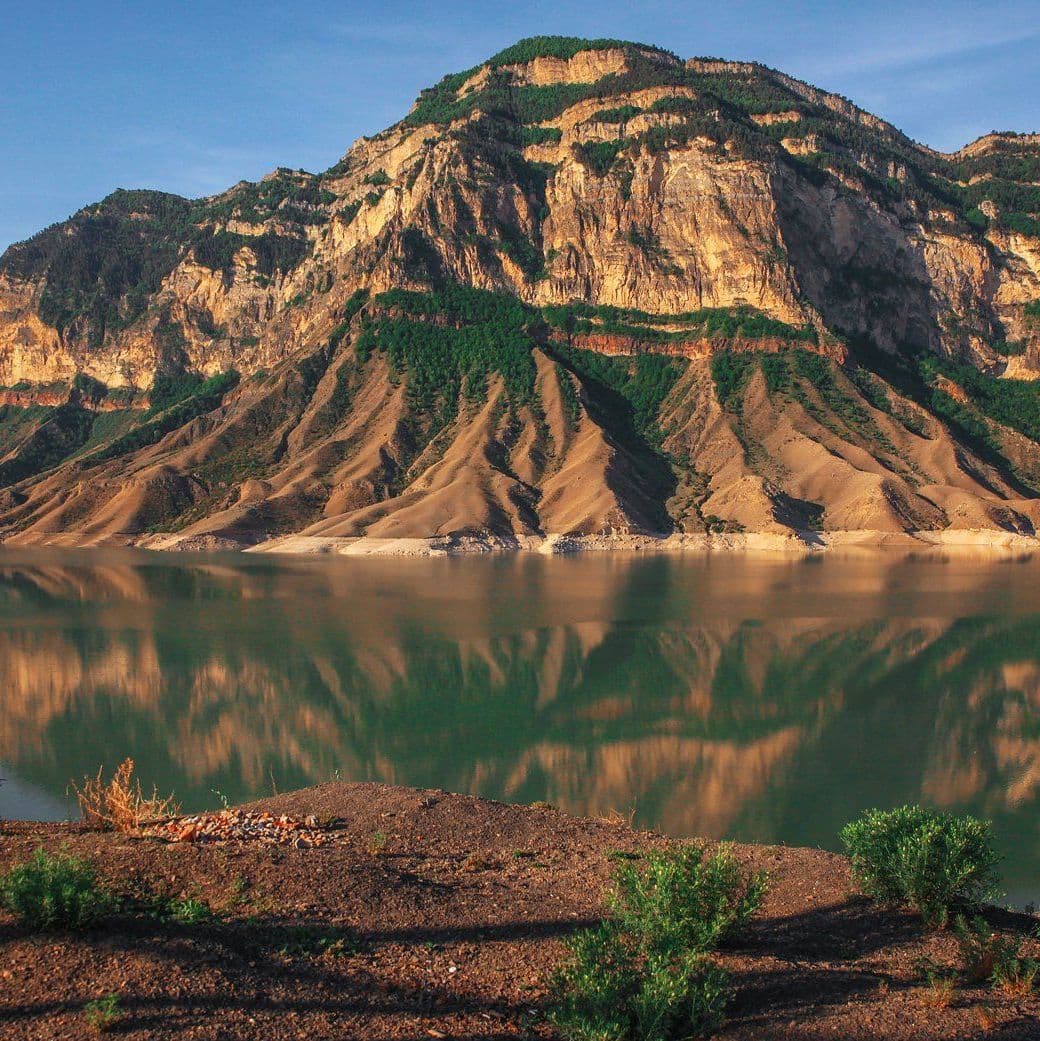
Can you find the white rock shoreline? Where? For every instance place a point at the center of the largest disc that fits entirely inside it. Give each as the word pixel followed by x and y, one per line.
pixel 984 541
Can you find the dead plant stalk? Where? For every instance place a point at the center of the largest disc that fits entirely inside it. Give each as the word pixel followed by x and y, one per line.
pixel 120 804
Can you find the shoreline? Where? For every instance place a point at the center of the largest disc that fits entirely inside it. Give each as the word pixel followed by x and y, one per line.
pixel 808 543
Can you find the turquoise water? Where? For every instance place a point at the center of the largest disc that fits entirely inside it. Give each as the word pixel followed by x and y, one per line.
pixel 762 699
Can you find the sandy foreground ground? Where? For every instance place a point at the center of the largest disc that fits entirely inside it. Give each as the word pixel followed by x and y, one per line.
pixel 452 912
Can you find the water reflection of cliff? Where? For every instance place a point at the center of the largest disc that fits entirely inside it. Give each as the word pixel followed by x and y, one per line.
pixel 770 700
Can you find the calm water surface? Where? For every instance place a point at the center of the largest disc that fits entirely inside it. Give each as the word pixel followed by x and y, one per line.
pixel 755 698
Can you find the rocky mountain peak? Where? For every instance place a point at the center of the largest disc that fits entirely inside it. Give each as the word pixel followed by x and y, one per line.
pixel 695 237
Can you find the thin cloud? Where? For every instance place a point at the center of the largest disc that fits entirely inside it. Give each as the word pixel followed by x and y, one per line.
pixel 891 57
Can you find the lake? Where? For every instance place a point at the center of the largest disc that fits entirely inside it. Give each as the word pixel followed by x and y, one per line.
pixel 757 698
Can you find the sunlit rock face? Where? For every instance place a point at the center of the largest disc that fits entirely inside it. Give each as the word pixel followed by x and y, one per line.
pixel 716 207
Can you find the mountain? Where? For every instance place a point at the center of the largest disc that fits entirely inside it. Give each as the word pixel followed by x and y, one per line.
pixel 586 288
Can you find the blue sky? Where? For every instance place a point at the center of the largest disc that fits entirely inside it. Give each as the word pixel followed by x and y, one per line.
pixel 190 97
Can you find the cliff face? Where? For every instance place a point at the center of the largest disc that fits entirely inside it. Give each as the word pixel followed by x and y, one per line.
pixel 633 205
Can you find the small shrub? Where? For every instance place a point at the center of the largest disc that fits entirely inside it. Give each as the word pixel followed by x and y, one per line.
pixel 979 947
pixel 599 156
pixel 55 891
pixel 942 992
pixel 536 135
pixel 592 990
pixel 682 995
pixel 622 114
pixel 987 955
pixel 1017 976
pixel 238 890
pixel 646 974
pixel 104 1013
pixel 120 804
pixel 682 899
pixel 1009 348
pixel 607 991
pixel 929 861
pixel 940 985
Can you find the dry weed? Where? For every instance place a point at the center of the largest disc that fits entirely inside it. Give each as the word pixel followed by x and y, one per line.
pixel 987 1017
pixel 120 804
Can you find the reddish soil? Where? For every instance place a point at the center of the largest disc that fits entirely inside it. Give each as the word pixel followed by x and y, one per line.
pixel 458 908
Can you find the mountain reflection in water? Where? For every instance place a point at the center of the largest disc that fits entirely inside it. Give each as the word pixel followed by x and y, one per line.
pixel 763 699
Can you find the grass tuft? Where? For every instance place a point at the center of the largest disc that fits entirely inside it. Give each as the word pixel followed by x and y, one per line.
pixel 103 1014
pixel 316 941
pixel 994 957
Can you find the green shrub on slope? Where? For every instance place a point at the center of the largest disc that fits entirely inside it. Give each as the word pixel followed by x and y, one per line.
pixel 932 862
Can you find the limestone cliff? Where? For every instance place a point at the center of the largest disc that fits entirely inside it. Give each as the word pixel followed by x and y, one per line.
pixel 811 322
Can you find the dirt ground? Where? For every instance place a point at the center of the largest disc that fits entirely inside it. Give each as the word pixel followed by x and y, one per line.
pixel 451 911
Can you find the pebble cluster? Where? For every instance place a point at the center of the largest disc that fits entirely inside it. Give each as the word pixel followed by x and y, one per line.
pixel 242 825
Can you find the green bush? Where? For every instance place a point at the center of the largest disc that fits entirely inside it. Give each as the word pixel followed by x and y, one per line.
pixel 208 396
pixel 730 371
pixel 743 322
pixel 314 941
pixel 533 103
pixel 274 253
pixel 486 335
pixel 1011 402
pixel 59 433
pixel 929 861
pixel 684 899
pixel 292 195
pixel 646 974
pixel 1023 223
pixel 976 218
pixel 606 992
pixel 535 135
pixel 169 388
pixel 1009 348
pixel 350 211
pixel 55 891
